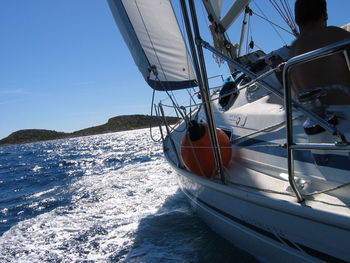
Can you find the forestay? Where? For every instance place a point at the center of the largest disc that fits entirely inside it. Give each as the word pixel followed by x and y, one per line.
pixel 153 36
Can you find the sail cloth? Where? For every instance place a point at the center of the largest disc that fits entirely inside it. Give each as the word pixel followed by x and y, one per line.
pixel 153 36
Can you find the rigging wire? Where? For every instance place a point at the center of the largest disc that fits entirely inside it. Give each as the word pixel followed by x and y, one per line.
pixel 280 10
pixel 289 14
pixel 169 93
pixel 248 35
pixel 150 124
pixel 188 55
pixel 292 16
pixel 273 25
pixel 251 44
pixel 285 12
pixel 287 17
pixel 155 72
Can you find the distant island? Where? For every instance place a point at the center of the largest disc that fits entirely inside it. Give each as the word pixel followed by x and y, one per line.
pixel 115 124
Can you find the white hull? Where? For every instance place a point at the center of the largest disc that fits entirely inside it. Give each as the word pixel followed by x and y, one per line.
pixel 266 227
pixel 257 210
pixel 289 151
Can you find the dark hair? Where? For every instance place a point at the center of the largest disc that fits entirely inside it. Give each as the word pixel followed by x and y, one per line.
pixel 309 11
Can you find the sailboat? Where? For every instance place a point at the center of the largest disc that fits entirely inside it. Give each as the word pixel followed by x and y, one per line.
pixel 267 171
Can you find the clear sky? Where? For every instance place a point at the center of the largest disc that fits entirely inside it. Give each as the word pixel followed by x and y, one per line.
pixel 64 65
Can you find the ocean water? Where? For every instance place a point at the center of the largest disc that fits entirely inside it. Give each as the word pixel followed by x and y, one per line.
pixel 103 198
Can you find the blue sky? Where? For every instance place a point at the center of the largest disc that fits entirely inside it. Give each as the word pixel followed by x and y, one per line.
pixel 64 65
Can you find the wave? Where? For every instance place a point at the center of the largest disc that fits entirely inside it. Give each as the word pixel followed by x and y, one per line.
pixel 113 199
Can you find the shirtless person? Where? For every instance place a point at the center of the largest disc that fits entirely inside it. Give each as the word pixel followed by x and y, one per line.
pixel 330 72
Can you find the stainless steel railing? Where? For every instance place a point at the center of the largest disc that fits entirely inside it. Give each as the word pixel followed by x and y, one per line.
pixel 341 143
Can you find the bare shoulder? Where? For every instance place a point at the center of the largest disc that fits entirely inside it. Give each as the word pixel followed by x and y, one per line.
pixel 317 39
pixel 337 32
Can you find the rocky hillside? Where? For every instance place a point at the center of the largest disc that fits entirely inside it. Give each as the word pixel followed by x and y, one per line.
pixel 32 135
pixel 119 123
pixel 123 123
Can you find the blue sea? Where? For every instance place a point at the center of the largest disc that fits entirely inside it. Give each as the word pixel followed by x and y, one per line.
pixel 103 198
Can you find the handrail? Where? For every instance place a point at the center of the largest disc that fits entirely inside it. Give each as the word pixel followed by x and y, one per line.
pixel 291 146
pixel 170 138
pixel 319 146
pixel 340 145
pixel 241 68
pixel 313 116
pixel 289 102
pixel 307 57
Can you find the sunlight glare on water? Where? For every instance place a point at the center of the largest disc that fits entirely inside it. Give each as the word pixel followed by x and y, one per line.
pixel 103 198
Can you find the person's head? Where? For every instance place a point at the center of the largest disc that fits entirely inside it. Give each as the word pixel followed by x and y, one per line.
pixel 310 11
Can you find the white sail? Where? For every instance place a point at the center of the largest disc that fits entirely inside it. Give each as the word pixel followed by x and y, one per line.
pixel 157 45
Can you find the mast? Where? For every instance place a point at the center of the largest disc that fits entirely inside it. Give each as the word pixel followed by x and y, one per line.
pixel 200 69
pixel 244 27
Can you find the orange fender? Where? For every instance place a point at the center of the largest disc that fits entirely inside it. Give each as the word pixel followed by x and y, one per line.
pixel 197 152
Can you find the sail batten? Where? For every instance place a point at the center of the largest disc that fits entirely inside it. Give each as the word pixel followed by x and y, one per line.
pixel 157 45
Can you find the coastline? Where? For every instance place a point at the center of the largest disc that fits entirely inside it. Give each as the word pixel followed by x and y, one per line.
pixel 114 124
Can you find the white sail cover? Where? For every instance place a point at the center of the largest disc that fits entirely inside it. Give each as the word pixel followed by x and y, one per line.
pixel 214 8
pixel 236 9
pixel 153 36
pixel 217 5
